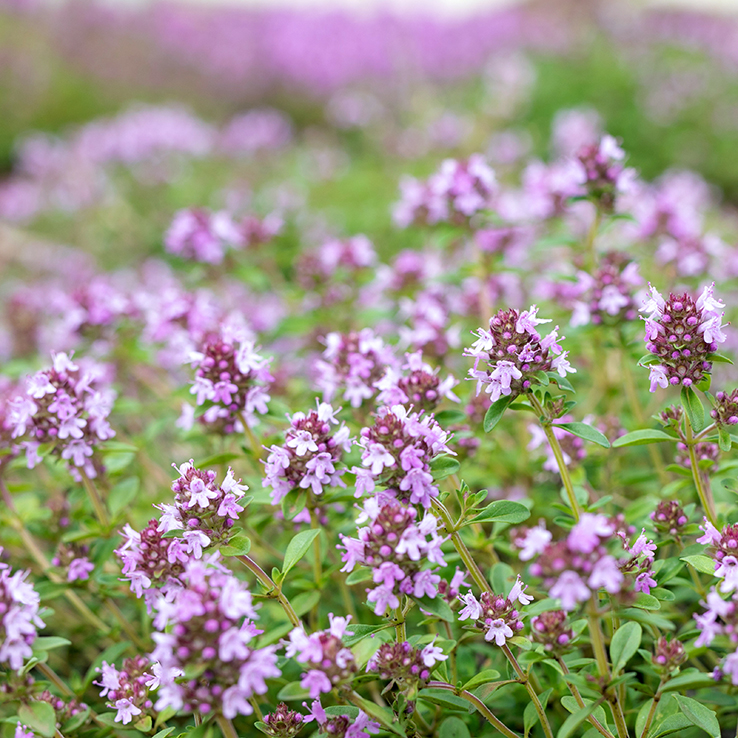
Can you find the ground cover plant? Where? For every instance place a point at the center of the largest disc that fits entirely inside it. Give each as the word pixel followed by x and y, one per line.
pixel 405 407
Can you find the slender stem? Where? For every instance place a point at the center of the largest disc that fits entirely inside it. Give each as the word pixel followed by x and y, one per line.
pixel 98 505
pixel 198 718
pixel 578 697
pixel 318 562
pixel 273 590
pixel 481 707
pixel 652 711
pixel 256 707
pixel 460 546
pixel 38 555
pixel 558 454
pixel 125 625
pixel 598 646
pixel 591 237
pixel 226 727
pixel 532 692
pixel 400 625
pixel 699 436
pixel 703 490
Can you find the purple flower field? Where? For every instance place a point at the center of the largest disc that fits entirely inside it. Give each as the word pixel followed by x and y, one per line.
pixel 368 376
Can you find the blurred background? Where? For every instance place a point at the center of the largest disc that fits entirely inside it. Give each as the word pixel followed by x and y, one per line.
pixel 94 93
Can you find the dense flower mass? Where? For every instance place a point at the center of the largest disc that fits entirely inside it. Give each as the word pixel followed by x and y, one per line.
pixel 19 619
pixel 396 548
pixel 66 406
pixel 512 351
pixel 682 334
pixel 127 689
pixel 231 380
pixel 207 628
pixel 311 455
pixel 406 667
pixel 397 453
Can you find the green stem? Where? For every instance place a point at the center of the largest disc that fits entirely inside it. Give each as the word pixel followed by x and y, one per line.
pixel 523 677
pixel 558 454
pixel 400 625
pixel 703 490
pixel 460 546
pixel 481 707
pixel 578 697
pixel 272 589
pixel 226 727
pixel 318 562
pixel 603 667
pixel 38 555
pixel 652 711
pixel 97 503
pixel 126 626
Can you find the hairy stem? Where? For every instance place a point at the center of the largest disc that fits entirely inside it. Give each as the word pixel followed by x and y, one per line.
pixel 460 546
pixel 523 677
pixel 703 486
pixel 226 727
pixel 400 625
pixel 578 697
pixel 481 708
pixel 97 503
pixel 272 589
pixel 558 454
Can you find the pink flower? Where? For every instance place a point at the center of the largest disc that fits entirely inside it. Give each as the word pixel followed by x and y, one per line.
pixel 499 631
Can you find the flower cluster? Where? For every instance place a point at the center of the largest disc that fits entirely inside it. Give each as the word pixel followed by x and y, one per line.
pixel 456 192
pixel 283 722
pixel 127 690
pixel 669 517
pixel 397 451
pixel 552 630
pixel 19 618
pixel 724 550
pixel 494 614
pixel 199 234
pixel 682 334
pixel 64 707
pixel 327 660
pixel 514 352
pixel 311 455
pixel 204 510
pixel 603 174
pixel 406 666
pixel 67 406
pixel 230 379
pixel 418 385
pixel 396 548
pixel 342 726
pixel 607 295
pixel 353 362
pixel 575 567
pixel 351 254
pixel 207 628
pixel 668 655
pixel 725 412
pixel 73 558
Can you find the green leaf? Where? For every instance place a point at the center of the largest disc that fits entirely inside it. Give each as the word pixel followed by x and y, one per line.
pixel 293 691
pixel 123 494
pixel 362 574
pixel 587 432
pixel 437 607
pixel 624 644
pixel 163 733
pixel 305 601
pixel 701 716
pixel 495 412
pixel 239 545
pixel 689 679
pixel 562 382
pixel 488 675
pixel 530 714
pixel 572 706
pixel 672 724
pixel 502 511
pixel 702 563
pixel 444 698
pixel 647 602
pixel 49 643
pixel 360 632
pixel 444 466
pixel 693 409
pixel 450 417
pixel 720 359
pixel 642 437
pixel 453 727
pixel 298 547
pixel 39 716
pixel 574 721
pixel 347 710
pixel 724 440
pixel 76 721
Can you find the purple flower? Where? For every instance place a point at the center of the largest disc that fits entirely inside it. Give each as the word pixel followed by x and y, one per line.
pixel 570 589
